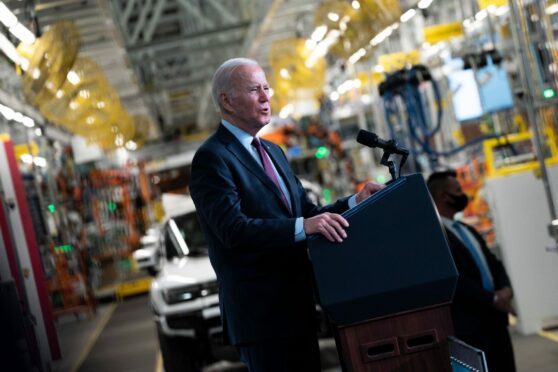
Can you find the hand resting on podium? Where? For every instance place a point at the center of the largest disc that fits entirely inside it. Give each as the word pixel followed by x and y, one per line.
pixel 332 225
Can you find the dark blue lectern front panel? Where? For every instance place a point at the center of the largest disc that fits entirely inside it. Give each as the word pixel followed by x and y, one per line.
pixel 395 258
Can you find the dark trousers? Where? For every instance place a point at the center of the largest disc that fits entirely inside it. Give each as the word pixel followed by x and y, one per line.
pixel 282 355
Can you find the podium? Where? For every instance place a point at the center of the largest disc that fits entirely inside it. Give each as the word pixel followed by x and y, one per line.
pixel 387 287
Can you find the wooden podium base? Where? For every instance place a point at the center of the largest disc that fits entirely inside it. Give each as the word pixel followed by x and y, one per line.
pixel 409 342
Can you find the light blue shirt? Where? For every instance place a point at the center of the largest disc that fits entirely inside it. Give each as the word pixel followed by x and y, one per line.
pixel 245 140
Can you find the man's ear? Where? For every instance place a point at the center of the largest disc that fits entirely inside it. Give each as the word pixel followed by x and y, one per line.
pixel 226 102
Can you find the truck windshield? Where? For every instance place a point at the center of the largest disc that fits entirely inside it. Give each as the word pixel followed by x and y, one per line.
pixel 189 234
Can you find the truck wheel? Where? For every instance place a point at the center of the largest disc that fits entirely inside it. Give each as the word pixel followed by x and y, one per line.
pixel 178 353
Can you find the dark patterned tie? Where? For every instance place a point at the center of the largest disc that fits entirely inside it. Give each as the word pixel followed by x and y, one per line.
pixel 268 168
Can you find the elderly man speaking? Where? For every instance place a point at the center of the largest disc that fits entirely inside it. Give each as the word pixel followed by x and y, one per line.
pixel 256 217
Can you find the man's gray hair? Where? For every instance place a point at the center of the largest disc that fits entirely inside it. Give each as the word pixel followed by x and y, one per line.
pixel 222 78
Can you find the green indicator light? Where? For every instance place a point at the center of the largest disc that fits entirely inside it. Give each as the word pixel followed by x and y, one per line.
pixel 549 93
pixel 322 152
pixel 327 195
pixel 381 178
pixel 64 249
pixel 51 208
pixel 112 206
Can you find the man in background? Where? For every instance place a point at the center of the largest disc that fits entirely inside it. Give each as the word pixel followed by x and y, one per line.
pixel 483 297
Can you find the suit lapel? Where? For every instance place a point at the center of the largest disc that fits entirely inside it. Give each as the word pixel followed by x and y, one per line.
pixel 249 162
pixel 464 252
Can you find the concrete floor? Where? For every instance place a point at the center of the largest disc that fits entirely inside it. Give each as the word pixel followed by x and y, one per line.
pixel 122 337
pixel 535 353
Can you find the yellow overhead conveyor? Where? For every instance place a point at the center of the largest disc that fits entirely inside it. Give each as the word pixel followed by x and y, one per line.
pixel 73 91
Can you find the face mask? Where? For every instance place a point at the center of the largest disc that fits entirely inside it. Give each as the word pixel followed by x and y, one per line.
pixel 459 202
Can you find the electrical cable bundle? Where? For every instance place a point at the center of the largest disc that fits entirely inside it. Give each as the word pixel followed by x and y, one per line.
pixel 405 84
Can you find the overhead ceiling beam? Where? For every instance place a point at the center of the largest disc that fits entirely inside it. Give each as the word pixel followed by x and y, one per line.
pixel 196 13
pixel 224 13
pixel 252 40
pixel 74 14
pixel 139 26
pixel 197 61
pixel 130 4
pixel 183 83
pixel 175 42
pixel 155 17
pixel 56 4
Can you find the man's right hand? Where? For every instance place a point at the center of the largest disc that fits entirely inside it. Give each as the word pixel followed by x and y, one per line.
pixel 503 300
pixel 330 225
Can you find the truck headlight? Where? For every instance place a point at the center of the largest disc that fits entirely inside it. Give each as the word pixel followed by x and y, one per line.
pixel 175 295
pixel 183 294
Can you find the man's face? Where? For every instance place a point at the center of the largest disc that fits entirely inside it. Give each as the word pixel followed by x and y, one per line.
pixel 453 187
pixel 248 104
pixel 454 196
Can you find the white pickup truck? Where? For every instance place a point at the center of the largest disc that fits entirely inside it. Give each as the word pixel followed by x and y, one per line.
pixel 184 293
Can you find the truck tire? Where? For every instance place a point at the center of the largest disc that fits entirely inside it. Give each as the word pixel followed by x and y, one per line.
pixel 178 353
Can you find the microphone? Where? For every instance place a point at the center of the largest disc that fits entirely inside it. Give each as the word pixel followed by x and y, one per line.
pixel 370 139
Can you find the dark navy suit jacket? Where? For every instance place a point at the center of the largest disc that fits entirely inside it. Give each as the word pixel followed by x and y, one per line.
pixel 475 320
pixel 265 280
pixel 472 306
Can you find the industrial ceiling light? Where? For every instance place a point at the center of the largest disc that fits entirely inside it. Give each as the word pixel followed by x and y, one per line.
pixel 119 141
pixel 423 4
pixel 18 116
pixel 73 77
pixel 23 63
pixel 22 33
pixel 131 145
pixel 334 96
pixel 319 33
pixel 503 10
pixel 357 55
pixel 286 111
pixel 28 122
pixel 7 112
pixel 481 15
pixel 36 74
pixel 348 85
pixel 381 36
pixel 6 16
pixel 334 17
pixel 310 44
pixel 10 51
pixel 366 99
pixel 30 159
pixel 552 9
pixel 405 17
pixel 322 48
pixel 285 74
